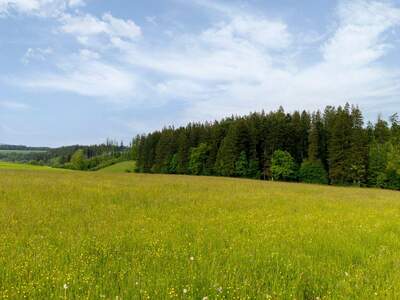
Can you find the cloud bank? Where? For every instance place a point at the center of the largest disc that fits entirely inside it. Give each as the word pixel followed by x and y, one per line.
pixel 240 62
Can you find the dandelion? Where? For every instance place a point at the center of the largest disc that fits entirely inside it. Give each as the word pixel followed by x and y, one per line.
pixel 192 258
pixel 347 274
pixel 185 291
pixel 65 286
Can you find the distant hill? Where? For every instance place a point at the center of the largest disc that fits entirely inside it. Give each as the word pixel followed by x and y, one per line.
pixel 22 147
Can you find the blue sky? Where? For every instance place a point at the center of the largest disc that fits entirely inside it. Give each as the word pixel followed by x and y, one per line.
pixel 79 71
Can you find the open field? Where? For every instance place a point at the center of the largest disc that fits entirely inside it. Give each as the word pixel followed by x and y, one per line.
pixel 16 166
pixel 122 167
pixel 76 235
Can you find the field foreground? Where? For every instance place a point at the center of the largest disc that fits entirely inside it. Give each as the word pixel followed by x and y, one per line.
pixel 74 235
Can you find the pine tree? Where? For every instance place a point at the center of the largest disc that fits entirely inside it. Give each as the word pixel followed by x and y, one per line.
pixel 226 158
pixel 164 151
pixel 242 165
pixel 358 160
pixel 339 146
pixel 382 131
pixel 377 162
pixel 314 142
pixel 183 152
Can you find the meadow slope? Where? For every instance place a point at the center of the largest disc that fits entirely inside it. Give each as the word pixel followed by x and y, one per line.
pixel 121 167
pixel 76 235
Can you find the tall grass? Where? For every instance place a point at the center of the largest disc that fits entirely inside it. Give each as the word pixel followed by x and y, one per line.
pixel 75 235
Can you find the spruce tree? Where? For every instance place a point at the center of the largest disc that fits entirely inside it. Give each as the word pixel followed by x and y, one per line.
pixel 314 142
pixel 339 145
pixel 182 155
pixel 242 165
pixel 226 158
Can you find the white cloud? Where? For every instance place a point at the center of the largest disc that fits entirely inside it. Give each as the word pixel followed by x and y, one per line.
pixel 359 39
pixel 121 28
pixel 86 54
pixel 243 62
pixel 43 8
pixel 85 75
pixel 36 54
pixel 227 70
pixel 226 51
pixel 76 3
pixel 86 26
pixel 262 32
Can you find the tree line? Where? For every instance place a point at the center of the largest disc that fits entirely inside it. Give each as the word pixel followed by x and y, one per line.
pixel 77 157
pixel 329 147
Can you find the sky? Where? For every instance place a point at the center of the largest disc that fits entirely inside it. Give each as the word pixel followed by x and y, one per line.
pixel 82 71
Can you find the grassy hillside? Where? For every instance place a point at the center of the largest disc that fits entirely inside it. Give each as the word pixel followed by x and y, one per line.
pixel 15 166
pixel 75 235
pixel 122 167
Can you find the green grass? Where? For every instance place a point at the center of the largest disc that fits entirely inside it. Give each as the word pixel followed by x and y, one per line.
pixel 136 236
pixel 16 166
pixel 122 167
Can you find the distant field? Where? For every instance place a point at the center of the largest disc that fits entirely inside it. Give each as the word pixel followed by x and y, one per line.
pixel 21 151
pixel 15 166
pixel 93 235
pixel 122 167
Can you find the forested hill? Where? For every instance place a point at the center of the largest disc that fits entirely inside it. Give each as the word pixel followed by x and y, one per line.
pixel 333 146
pixel 78 157
pixel 22 148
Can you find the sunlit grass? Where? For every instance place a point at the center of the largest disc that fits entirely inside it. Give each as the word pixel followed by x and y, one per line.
pixel 78 235
pixel 16 166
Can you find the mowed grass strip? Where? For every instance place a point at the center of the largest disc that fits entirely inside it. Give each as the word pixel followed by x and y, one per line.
pixel 76 235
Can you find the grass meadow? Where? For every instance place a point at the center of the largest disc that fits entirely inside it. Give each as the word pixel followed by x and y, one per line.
pixel 77 235
pixel 122 167
pixel 16 166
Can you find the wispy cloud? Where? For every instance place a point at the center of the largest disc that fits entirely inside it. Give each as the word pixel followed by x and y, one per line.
pixel 42 8
pixel 85 26
pixel 241 62
pixel 36 54
pixel 86 75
